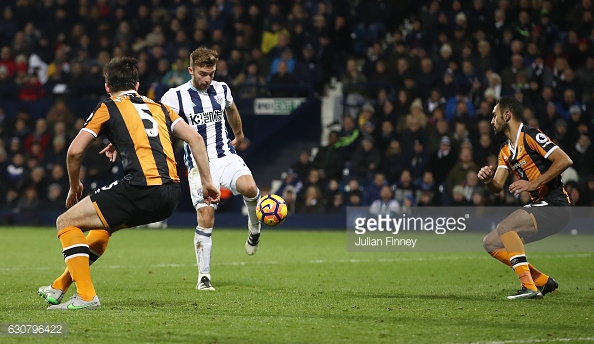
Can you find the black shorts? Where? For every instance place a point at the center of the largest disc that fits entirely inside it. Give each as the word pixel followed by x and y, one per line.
pixel 548 218
pixel 120 205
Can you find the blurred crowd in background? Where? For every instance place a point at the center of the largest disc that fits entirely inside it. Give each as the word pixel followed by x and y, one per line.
pixel 419 81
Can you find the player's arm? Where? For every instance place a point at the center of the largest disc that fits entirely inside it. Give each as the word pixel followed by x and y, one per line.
pixel 73 162
pixel 494 178
pixel 183 131
pixel 560 162
pixel 235 122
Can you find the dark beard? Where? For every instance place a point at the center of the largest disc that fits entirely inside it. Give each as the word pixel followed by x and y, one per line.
pixel 501 133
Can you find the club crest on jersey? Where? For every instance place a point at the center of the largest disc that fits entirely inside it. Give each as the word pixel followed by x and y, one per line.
pixel 220 101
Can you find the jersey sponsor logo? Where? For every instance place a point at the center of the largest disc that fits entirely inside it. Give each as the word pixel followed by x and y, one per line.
pixel 206 117
pixel 519 165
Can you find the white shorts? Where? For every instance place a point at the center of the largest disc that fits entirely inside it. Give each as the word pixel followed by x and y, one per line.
pixel 224 171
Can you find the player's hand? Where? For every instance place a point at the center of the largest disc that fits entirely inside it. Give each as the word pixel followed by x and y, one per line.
pixel 486 174
pixel 521 185
pixel 210 193
pixel 237 140
pixel 110 152
pixel 74 195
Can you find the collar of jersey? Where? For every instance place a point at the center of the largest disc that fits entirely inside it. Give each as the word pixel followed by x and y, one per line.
pixel 128 92
pixel 515 148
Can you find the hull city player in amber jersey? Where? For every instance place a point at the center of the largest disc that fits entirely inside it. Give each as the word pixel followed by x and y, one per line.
pixel 141 131
pixel 537 163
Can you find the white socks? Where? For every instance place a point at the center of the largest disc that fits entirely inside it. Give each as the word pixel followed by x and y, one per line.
pixel 203 245
pixel 251 203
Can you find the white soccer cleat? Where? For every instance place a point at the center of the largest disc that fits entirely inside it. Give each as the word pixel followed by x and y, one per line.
pixel 77 303
pixel 251 244
pixel 51 295
pixel 204 283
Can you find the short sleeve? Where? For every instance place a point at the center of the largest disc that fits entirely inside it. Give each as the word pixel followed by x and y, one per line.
pixel 540 142
pixel 170 99
pixel 96 120
pixel 228 96
pixel 502 162
pixel 173 116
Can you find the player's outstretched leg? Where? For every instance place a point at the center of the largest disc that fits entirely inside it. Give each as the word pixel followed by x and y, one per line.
pixel 254 225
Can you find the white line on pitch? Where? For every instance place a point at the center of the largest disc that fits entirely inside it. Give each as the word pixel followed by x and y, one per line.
pixel 313 261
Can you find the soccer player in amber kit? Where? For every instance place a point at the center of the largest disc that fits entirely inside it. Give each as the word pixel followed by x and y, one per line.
pixel 537 163
pixel 140 130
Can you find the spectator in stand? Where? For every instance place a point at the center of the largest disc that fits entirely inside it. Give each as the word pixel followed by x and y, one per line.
pixel 177 75
pixel 385 204
pixel 308 70
pixel 582 155
pixel 366 160
pixel 282 82
pixel 386 135
pixel 564 106
pixel 442 161
pixel 353 86
pixel 290 180
pixel 313 179
pixel 458 199
pixel 313 202
pixel 458 173
pixel 60 112
pixel 419 160
pixel 372 191
pixel 329 159
pixel 40 135
pixel 55 198
pixel 250 83
pixel 286 56
pixel 394 162
pixel 304 164
pixel 404 187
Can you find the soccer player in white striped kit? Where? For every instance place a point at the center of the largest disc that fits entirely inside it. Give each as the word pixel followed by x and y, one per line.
pixel 203 103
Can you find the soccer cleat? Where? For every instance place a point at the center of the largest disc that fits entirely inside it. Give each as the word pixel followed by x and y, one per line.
pixel 548 287
pixel 204 284
pixel 525 294
pixel 76 303
pixel 51 295
pixel 251 244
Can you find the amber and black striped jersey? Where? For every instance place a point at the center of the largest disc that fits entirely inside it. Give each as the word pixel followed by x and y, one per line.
pixel 528 160
pixel 140 129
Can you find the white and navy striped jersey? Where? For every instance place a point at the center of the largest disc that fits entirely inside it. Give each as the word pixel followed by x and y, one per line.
pixel 205 112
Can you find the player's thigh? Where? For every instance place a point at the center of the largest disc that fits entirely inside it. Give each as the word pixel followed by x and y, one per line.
pixel 196 184
pixel 121 205
pixel 82 215
pixel 519 221
pixel 548 220
pixel 237 177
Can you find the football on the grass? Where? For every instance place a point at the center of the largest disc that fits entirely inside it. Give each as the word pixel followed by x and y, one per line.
pixel 271 210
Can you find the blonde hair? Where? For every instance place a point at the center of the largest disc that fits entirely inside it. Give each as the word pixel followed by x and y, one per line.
pixel 204 57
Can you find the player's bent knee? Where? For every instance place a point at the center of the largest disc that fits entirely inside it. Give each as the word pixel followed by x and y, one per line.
pixel 502 229
pixel 247 186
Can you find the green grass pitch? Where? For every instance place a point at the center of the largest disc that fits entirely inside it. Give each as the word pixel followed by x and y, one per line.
pixel 300 287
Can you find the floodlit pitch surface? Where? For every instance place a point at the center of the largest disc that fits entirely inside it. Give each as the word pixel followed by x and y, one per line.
pixel 300 287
